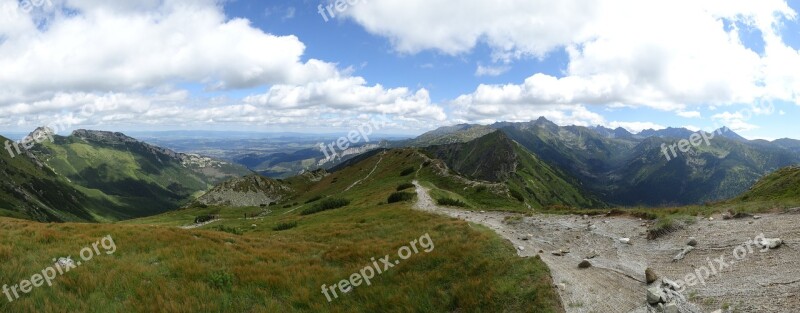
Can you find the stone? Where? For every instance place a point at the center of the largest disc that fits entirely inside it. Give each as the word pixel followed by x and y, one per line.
pixel 671 308
pixel 521 248
pixel 626 241
pixel 756 217
pixel 692 242
pixel 670 284
pixel 655 295
pixel 585 264
pixel 770 243
pixel 650 276
pixel 683 254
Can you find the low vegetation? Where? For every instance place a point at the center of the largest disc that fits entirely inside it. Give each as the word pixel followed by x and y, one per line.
pixel 325 205
pixel 405 186
pixel 400 196
pixel 285 226
pixel 451 202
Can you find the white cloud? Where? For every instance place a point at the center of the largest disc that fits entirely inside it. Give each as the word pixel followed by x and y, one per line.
pixel 636 127
pixel 134 53
pixel 689 114
pixel 490 70
pixel 665 55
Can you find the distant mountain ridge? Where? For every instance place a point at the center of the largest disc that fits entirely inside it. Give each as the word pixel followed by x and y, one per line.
pixel 108 176
pixel 631 169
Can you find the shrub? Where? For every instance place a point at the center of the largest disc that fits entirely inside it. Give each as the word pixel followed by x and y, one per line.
pixel 230 230
pixel 325 205
pixel 314 199
pixel 220 280
pixel 407 171
pixel 204 218
pixel 405 186
pixel 285 226
pixel 400 196
pixel 517 195
pixel 451 202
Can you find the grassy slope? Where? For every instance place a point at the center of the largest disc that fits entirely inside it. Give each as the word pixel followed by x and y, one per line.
pixel 130 181
pixel 162 268
pixel 30 192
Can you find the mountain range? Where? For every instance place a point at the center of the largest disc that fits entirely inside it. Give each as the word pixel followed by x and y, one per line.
pixel 105 176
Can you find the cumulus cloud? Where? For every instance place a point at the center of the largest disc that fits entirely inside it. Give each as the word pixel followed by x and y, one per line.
pixel 665 55
pixel 71 52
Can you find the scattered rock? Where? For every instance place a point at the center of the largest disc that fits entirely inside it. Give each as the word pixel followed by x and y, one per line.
pixel 650 276
pixel 585 216
pixel 562 286
pixel 671 308
pixel 670 284
pixel 592 254
pixel 521 248
pixel 756 217
pixel 585 264
pixel 655 296
pixel 65 262
pixel 683 254
pixel 560 252
pixel 254 225
pixel 692 242
pixel 770 243
pixel 710 218
pixel 591 227
pixel 727 216
pixel 626 241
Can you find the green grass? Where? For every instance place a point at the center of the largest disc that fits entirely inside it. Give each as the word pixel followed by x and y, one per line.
pixel 161 268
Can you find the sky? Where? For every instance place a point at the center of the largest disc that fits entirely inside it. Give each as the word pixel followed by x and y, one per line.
pixel 327 66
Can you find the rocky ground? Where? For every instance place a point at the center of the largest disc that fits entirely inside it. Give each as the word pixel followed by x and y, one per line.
pixel 614 281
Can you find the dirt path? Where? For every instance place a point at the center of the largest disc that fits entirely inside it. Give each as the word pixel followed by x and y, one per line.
pixel 761 282
pixel 193 226
pixel 368 175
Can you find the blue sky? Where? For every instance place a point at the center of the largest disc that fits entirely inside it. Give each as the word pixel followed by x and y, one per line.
pixel 279 66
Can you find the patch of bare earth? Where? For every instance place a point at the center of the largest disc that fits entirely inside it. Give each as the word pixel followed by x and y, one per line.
pixel 759 282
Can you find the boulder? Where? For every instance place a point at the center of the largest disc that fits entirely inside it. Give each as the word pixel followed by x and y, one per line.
pixel 650 276
pixel 655 296
pixel 585 264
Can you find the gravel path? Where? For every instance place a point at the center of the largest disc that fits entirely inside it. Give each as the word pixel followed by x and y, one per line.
pixel 760 282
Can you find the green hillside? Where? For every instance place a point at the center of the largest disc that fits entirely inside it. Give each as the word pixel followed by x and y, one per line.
pixel 102 176
pixel 30 190
pixel 280 261
pixel 782 185
pixel 496 159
